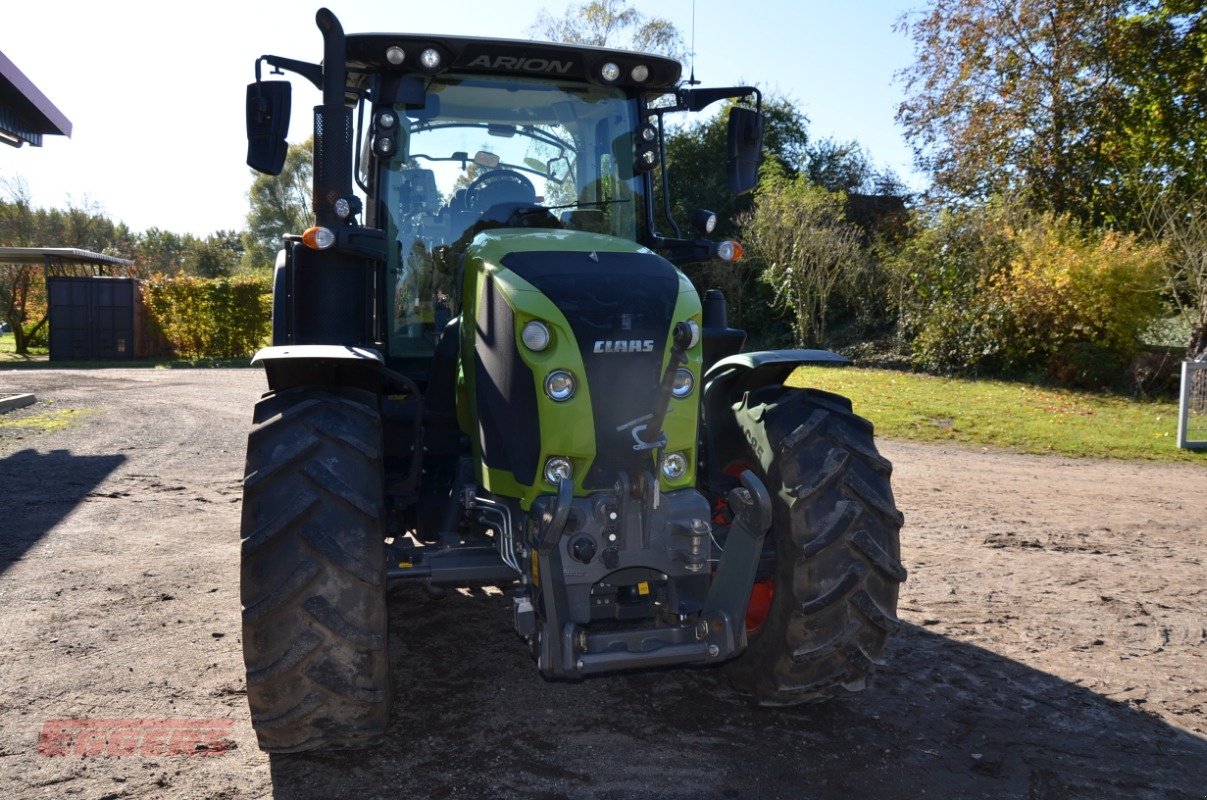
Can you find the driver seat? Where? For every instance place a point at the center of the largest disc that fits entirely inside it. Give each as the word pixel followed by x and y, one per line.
pixel 497 201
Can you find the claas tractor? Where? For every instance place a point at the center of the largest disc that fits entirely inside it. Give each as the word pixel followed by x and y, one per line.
pixel 487 370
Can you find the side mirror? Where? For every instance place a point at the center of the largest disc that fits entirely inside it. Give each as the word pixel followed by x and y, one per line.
pixel 267 125
pixel 745 149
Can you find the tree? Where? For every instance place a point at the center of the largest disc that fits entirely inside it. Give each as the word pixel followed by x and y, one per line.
pixel 799 232
pixel 216 256
pixel 1181 224
pixel 696 155
pixel 1005 97
pixel 279 204
pixel 1159 109
pixel 1076 106
pixel 610 23
pixel 160 251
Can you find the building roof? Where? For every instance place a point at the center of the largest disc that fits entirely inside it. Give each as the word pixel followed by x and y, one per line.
pixel 25 113
pixel 43 255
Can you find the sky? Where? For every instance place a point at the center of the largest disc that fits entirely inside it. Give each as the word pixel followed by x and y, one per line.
pixel 155 92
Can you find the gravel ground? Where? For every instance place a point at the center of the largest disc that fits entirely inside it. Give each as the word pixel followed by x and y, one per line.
pixel 1054 641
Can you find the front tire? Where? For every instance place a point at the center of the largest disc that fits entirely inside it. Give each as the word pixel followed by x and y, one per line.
pixel 313 572
pixel 836 536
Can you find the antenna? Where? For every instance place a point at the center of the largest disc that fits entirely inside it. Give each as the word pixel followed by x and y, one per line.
pixel 692 80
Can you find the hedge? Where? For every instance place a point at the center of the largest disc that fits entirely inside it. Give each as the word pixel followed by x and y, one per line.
pixel 188 317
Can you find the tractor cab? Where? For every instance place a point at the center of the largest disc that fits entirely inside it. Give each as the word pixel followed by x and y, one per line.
pixel 452 136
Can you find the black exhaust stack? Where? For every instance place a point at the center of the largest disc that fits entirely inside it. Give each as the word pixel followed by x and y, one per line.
pixel 332 126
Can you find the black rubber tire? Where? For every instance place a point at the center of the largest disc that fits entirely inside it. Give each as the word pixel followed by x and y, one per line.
pixel 836 536
pixel 313 572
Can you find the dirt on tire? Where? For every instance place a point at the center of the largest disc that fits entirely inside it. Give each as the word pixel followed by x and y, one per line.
pixel 1053 641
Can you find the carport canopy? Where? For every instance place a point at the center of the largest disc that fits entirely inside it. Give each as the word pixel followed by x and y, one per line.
pixel 59 259
pixel 26 115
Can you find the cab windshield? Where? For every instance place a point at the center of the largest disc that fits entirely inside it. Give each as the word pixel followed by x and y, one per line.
pixel 490 152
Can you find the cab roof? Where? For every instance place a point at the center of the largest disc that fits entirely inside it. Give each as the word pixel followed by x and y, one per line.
pixel 367 52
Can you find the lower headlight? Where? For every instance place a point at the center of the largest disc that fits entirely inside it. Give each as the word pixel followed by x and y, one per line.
pixel 674 466
pixel 558 468
pixel 684 382
pixel 559 385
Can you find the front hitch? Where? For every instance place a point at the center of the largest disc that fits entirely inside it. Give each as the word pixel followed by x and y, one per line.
pixel 566 649
pixel 729 594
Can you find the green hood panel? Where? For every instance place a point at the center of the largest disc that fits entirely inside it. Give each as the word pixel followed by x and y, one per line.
pixel 597 295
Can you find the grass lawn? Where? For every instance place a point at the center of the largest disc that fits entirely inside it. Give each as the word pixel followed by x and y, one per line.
pixel 39 358
pixel 1014 416
pixel 8 351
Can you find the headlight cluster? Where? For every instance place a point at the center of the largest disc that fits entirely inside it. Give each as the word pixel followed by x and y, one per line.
pixel 611 72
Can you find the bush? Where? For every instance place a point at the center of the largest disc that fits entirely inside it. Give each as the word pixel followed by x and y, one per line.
pixel 208 317
pixel 996 289
pixel 1085 365
pixel 1066 292
pixel 943 319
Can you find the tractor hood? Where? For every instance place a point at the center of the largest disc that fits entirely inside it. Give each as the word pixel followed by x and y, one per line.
pixel 609 306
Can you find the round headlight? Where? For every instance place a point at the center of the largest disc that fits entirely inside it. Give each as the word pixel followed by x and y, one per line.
pixel 684 382
pixel 640 72
pixel 386 120
pixel 535 335
pixel 430 58
pixel 342 208
pixel 383 145
pixel 558 468
pixel 395 55
pixel 674 466
pixel 559 385
pixel 695 329
pixel 609 72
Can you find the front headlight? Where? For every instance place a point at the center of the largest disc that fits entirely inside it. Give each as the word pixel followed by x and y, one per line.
pixel 559 385
pixel 535 336
pixel 684 382
pixel 558 468
pixel 674 466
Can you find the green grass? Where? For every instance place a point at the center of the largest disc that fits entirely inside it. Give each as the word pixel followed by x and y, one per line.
pixel 8 351
pixel 39 358
pixel 53 420
pixel 1013 416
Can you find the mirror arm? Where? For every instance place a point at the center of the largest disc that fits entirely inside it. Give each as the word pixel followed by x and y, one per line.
pixel 666 186
pixel 311 72
pixel 699 99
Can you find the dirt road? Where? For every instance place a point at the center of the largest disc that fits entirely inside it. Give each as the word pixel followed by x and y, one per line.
pixel 1054 641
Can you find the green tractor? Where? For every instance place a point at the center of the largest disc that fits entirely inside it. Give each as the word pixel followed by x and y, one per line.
pixel 487 370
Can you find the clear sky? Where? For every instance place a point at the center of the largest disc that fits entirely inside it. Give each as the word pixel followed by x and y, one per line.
pixel 155 92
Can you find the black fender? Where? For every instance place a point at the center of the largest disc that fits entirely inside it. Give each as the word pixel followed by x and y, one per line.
pixel 330 365
pixel 725 383
pixel 280 300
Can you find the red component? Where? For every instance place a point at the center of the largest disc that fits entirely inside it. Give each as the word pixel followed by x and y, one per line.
pixel 760 605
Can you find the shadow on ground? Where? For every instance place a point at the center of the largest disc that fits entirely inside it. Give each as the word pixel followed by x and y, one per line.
pixel 38 490
pixel 945 719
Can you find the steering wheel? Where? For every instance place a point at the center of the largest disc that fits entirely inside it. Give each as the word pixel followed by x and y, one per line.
pixel 498 186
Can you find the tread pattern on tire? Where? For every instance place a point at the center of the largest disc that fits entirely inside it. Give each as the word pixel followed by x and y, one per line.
pixel 836 534
pixel 313 572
